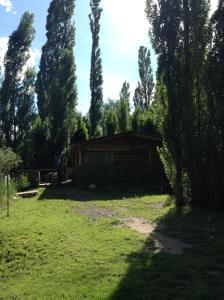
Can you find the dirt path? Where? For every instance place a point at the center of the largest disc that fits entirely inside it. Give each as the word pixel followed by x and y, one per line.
pixel 140 225
pixel 161 241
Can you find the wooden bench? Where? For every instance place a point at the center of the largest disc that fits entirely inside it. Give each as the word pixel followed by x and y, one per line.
pixel 27 194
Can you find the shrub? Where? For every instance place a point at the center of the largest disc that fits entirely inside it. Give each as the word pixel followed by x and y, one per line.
pixel 8 161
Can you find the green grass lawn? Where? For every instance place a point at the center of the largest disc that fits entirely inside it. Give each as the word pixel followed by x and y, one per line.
pixel 51 247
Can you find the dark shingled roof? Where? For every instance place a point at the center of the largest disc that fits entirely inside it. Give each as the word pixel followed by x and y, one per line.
pixel 120 135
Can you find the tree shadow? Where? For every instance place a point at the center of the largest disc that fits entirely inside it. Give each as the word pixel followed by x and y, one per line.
pixel 72 193
pixel 196 274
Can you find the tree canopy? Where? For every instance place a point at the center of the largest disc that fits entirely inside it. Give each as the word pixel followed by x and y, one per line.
pixel 56 81
pixel 11 93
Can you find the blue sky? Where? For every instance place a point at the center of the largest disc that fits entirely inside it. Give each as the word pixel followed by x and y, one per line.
pixel 124 29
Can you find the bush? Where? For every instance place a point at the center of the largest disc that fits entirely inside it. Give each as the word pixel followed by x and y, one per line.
pixel 8 161
pixel 20 182
pixel 1 190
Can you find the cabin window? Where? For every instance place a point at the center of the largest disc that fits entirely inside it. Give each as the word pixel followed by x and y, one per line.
pixel 94 157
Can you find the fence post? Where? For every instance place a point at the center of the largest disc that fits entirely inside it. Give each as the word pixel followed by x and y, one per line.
pixel 7 183
pixel 5 189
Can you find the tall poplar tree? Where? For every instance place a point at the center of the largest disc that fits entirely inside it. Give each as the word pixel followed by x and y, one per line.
pixel 125 92
pixel 123 116
pixel 138 98
pixel 215 105
pixel 179 37
pixel 26 106
pixel 14 62
pixel 143 93
pixel 56 81
pixel 96 77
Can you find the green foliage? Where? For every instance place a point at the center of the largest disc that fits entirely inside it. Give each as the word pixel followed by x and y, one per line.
pixel 8 161
pixel 12 91
pixel 98 132
pixel 117 117
pixel 37 154
pixel 179 35
pixel 2 140
pixel 215 103
pixel 20 182
pixel 111 105
pixel 125 93
pixel 143 93
pixel 111 122
pixel 137 119
pixel 81 133
pixel 12 190
pixel 96 77
pixel 109 109
pixel 56 82
pixel 1 191
pixel 138 97
pixel 143 121
pixel 123 116
pixel 160 107
pixel 26 108
pixel 169 165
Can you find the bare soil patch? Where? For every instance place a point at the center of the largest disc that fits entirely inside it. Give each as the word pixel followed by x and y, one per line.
pixel 157 205
pixel 161 241
pixel 96 212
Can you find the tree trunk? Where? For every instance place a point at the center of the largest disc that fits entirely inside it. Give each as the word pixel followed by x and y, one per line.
pixel 179 188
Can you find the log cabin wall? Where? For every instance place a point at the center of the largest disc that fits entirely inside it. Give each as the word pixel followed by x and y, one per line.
pixel 123 159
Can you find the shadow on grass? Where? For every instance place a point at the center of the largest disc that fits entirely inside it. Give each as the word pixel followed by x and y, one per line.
pixel 196 274
pixel 69 192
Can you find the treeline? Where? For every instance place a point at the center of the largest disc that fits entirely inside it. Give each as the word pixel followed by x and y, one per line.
pixel 38 112
pixel 186 105
pixel 190 97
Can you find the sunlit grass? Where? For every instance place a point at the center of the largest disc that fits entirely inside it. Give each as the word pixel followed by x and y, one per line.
pixel 49 250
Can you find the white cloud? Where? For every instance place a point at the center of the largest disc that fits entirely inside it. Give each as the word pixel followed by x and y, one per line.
pixel 3 49
pixel 7 4
pixel 113 84
pixel 33 53
pixel 126 30
pixel 214 4
pixel 111 87
pixel 128 23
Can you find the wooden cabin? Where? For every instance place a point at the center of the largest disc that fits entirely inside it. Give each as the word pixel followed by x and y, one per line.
pixel 128 158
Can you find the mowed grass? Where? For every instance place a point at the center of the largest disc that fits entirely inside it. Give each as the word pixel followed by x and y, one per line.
pixel 51 247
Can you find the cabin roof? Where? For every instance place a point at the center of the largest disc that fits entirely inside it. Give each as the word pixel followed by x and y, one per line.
pixel 140 135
